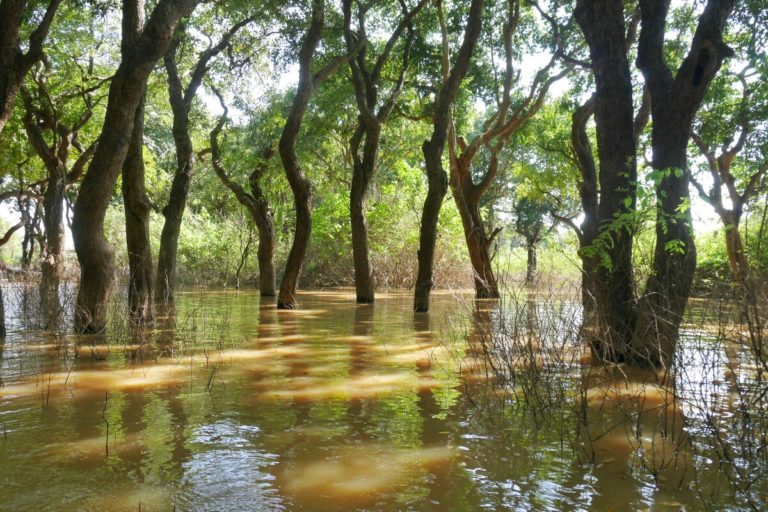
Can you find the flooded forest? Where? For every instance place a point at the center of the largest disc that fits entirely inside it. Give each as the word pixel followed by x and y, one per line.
pixel 416 255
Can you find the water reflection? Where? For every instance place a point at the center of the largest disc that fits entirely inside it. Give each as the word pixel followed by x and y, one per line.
pixel 229 404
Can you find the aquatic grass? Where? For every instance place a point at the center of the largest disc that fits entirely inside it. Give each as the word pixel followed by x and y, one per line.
pixel 700 424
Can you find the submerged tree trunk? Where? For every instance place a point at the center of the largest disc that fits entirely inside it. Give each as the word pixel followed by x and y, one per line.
pixel 135 199
pixel 675 101
pixel 52 261
pixel 603 25
pixel 302 194
pixel 361 179
pixel 300 186
pixel 173 212
pixel 532 265
pixel 257 205
pixel 180 99
pixel 137 209
pixel 370 120
pixel 437 179
pixel 43 116
pixel 94 253
pixel 467 197
pixel 266 225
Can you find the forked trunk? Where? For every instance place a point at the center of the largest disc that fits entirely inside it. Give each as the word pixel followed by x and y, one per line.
pixel 14 64
pixel 675 99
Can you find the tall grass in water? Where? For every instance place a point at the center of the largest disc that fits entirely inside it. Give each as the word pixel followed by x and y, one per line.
pixel 699 425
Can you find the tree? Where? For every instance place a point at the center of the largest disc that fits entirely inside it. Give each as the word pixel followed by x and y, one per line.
pixel 675 99
pixel 14 62
pixel 366 78
pixel 126 90
pixel 300 185
pixel 605 31
pixel 48 119
pixel 437 179
pixel 735 150
pixel 255 202
pixel 181 99
pixel 643 330
pixel 135 200
pixel 510 113
pixel 530 223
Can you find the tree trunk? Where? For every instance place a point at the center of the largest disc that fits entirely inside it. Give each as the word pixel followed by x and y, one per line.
pixel 3 331
pixel 266 225
pixel 173 213
pixel 675 101
pixel 177 201
pixel 737 259
pixel 365 80
pixel 135 199
pixel 588 194
pixel 181 99
pixel 478 244
pixel 602 22
pixel 362 174
pixel 137 236
pixel 302 197
pixel 437 179
pixel 125 93
pixel 302 193
pixel 52 261
pixel 531 263
pixel 257 205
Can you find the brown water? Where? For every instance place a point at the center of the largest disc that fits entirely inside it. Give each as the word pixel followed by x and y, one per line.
pixel 232 405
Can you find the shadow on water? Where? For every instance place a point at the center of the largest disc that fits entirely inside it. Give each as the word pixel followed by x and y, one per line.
pixel 228 403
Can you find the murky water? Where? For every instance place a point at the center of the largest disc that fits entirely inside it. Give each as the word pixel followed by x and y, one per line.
pixel 230 404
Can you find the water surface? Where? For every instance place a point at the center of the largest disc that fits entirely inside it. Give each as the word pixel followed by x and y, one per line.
pixel 229 404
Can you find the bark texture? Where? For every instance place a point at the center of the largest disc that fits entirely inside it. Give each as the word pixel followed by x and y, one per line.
pixel 126 91
pixel 135 200
pixel 602 22
pixel 437 179
pixel 675 99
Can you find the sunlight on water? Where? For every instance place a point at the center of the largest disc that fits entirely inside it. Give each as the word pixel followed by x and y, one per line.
pixel 229 404
pixel 358 474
